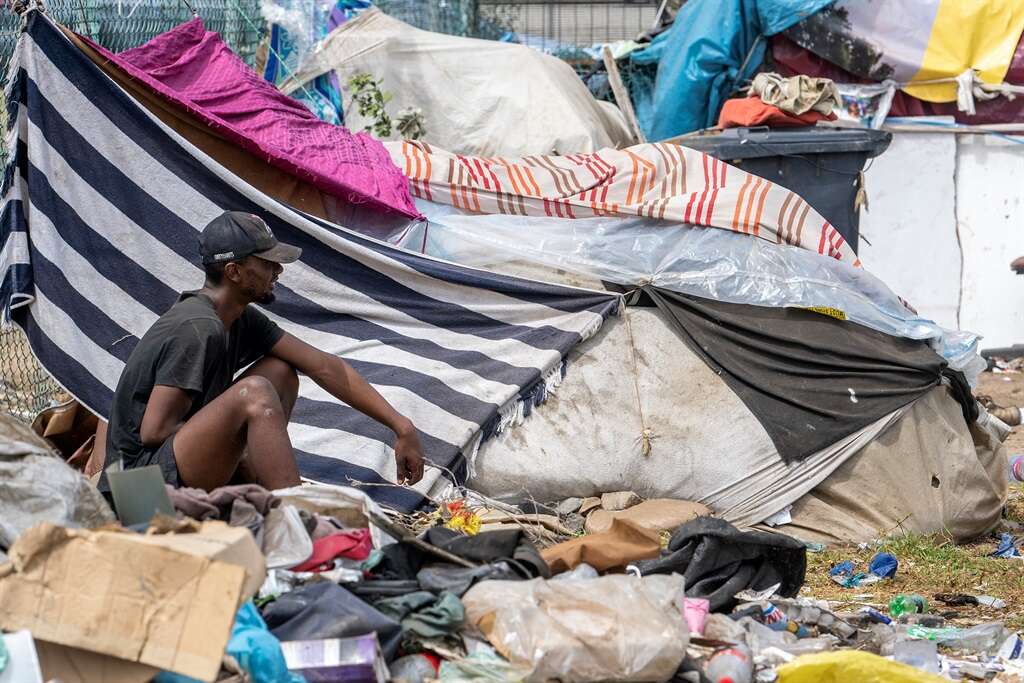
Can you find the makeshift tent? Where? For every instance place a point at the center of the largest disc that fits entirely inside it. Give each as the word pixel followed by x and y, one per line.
pixel 540 107
pixel 684 427
pixel 99 227
pixel 204 91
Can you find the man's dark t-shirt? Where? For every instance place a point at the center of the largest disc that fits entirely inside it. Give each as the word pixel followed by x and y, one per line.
pixel 187 348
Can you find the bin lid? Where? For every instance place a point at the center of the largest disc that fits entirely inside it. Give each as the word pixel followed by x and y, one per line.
pixel 751 143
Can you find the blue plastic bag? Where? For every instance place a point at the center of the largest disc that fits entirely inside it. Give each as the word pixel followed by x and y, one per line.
pixel 1006 548
pixel 255 649
pixel 884 565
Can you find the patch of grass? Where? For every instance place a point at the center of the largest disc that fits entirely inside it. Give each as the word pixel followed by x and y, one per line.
pixel 1015 503
pixel 928 565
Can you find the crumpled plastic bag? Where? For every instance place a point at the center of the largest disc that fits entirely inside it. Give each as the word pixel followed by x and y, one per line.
pixel 37 486
pixel 286 542
pixel 622 628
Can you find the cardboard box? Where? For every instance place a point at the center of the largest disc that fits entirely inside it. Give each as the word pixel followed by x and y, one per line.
pixel 166 601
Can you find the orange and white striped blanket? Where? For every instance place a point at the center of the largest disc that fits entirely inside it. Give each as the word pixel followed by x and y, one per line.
pixel 657 180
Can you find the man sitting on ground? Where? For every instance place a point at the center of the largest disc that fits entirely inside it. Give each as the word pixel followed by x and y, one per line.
pixel 177 404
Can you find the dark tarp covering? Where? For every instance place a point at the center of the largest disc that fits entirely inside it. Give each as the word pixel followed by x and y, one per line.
pixel 810 379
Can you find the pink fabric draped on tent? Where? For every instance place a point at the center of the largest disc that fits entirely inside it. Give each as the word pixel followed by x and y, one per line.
pixel 196 70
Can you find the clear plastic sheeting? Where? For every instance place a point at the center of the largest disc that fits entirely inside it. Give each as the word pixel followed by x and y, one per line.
pixel 612 628
pixel 711 263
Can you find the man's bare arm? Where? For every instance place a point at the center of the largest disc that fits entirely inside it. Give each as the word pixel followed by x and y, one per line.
pixel 166 409
pixel 344 383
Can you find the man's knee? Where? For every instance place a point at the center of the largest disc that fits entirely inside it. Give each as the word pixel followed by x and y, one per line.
pixel 257 395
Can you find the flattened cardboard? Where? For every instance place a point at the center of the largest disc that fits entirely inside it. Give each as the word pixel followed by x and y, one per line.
pixel 165 601
pixel 72 665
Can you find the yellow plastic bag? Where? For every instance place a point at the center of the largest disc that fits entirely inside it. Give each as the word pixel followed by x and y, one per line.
pixel 849 666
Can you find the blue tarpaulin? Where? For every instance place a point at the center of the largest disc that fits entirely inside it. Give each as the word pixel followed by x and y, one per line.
pixel 712 46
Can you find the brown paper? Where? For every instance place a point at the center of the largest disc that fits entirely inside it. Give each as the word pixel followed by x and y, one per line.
pixel 659 514
pixel 622 544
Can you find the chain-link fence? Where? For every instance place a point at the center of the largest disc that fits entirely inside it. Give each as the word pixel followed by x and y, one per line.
pixel 121 24
pixel 566 26
pixel 25 388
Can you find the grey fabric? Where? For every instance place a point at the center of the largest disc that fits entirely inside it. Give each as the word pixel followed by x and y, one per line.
pixel 423 614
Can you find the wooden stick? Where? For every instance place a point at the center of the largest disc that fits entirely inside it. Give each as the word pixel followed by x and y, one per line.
pixel 621 94
pixel 407 537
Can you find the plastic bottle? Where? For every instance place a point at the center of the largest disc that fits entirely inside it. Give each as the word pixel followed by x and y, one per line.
pixel 875 616
pixel 1017 467
pixel 777 620
pixel 926 620
pixel 908 603
pixel 733 665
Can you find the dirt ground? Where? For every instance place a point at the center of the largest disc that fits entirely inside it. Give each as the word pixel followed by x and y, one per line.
pixel 934 564
pixel 1006 389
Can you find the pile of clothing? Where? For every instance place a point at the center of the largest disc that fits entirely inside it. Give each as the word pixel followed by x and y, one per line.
pixel 782 103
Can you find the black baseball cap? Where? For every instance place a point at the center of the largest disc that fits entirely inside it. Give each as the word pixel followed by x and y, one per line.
pixel 233 235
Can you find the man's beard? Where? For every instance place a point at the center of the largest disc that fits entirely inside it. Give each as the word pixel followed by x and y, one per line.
pixel 265 298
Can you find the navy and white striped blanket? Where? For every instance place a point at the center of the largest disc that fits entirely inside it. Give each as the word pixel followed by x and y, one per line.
pixel 101 209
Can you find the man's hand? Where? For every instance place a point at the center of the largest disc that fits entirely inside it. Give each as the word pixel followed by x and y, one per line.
pixel 409 456
pixel 345 384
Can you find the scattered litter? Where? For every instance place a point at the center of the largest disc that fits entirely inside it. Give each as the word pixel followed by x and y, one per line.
pixel 783 516
pixel 731 665
pixel 758 596
pixel 908 604
pixel 695 611
pixel 981 638
pixel 958 599
pixel 1007 547
pixel 882 566
pixel 920 654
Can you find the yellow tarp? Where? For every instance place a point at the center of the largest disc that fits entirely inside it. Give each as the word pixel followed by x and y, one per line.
pixel 969 34
pixel 849 666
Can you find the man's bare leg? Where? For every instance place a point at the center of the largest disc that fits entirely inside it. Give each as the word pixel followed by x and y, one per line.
pixel 249 417
pixel 286 384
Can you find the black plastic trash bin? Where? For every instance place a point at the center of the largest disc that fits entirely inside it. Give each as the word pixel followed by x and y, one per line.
pixel 820 164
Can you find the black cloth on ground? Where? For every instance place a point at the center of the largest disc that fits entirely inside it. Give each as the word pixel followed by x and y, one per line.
pixel 326 610
pixel 717 560
pixel 809 378
pixel 403 561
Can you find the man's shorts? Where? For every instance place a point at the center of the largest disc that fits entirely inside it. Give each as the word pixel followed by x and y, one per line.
pixel 163 458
